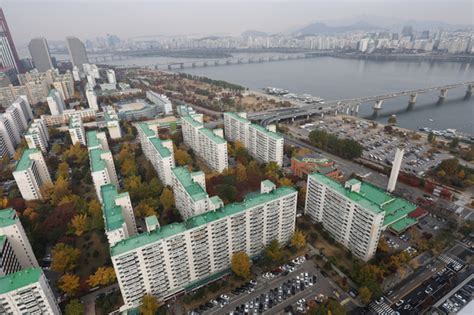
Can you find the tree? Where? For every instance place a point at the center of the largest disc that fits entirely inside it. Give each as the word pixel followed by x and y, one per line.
pixel 383 245
pixel 240 264
pixel 240 173
pixel 284 181
pixel 272 169
pixel 182 157
pixel 145 208
pixel 63 170
pixel 274 252
pixel 454 143
pixel 3 203
pixel 149 305
pixel 80 224
pixel 167 199
pixel 298 241
pixel 450 166
pixel 461 174
pixel 431 137
pixel 61 190
pixel 94 209
pixel 365 295
pixel 102 276
pixel 64 258
pixel 74 307
pixel 392 120
pixel 69 284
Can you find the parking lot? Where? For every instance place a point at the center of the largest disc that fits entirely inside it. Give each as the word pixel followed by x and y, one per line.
pixel 291 285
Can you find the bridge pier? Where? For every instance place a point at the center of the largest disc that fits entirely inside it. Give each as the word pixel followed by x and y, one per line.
pixel 181 65
pixel 377 107
pixel 193 65
pixel 169 67
pixel 442 95
pixel 412 101
pixel 470 88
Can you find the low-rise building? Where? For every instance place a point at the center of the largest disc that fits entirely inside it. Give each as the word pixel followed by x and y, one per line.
pixel 161 100
pixel 354 214
pixel 264 144
pixel 181 257
pixel 304 165
pixel 62 119
pixel 209 145
pixel 76 130
pixel 31 173
pixel 37 135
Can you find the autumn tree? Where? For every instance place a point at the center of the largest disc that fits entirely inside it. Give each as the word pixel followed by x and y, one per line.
pixel 149 305
pixel 365 295
pixel 285 182
pixel 69 284
pixel 74 307
pixel 240 264
pixel 94 210
pixel 63 170
pixel 145 208
pixel 167 199
pixel 274 252
pixel 383 245
pixel 240 173
pixel 61 190
pixel 272 170
pixel 298 241
pixel 181 157
pixel 103 276
pixel 3 203
pixel 64 258
pixel 80 224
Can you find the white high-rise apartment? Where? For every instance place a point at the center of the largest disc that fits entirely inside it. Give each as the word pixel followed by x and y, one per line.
pixel 111 76
pixel 37 135
pixel 209 145
pixel 31 173
pixel 162 100
pixel 14 244
pixel 118 214
pixel 354 213
pixel 263 144
pixel 158 152
pixel 190 194
pixel 101 161
pixel 27 292
pixel 181 256
pixel 76 130
pixel 55 102
pixel 92 99
pixel 112 122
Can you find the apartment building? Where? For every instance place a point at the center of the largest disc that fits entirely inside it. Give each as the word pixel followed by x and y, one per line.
pixel 91 97
pixel 37 135
pixel 354 214
pixel 31 173
pixel 180 257
pixel 264 144
pixel 158 152
pixel 162 100
pixel 101 161
pixel 55 102
pixel 112 123
pixel 27 292
pixel 118 214
pixel 61 119
pixel 209 145
pixel 15 248
pixel 190 194
pixel 76 130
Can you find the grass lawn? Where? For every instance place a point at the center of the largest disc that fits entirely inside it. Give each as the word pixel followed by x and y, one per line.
pixel 94 252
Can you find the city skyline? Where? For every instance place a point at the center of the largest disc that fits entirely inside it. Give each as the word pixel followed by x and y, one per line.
pixel 154 18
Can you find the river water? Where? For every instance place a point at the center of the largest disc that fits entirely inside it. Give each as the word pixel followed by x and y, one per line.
pixel 336 78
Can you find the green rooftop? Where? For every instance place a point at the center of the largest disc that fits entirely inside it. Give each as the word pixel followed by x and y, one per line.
pixel 191 121
pixel 212 136
pixel 197 221
pixel 158 145
pixel 237 117
pixel 146 129
pixel 19 279
pixel 7 217
pixel 92 139
pixel 216 200
pixel 371 198
pixel 112 213
pixel 403 224
pixel 97 163
pixel 25 162
pixel 270 134
pixel 192 188
pixel 151 220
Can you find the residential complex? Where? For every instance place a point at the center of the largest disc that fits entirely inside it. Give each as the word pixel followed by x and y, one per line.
pixel 190 193
pixel 31 173
pixel 355 213
pixel 118 214
pixel 27 292
pixel 76 130
pixel 61 119
pixel 13 123
pixel 158 152
pixel 181 256
pixel 112 122
pixel 162 100
pixel 209 145
pixel 263 144
pixel 37 135
pixel 101 161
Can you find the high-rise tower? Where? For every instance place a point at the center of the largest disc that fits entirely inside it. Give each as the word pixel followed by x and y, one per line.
pixel 8 55
pixel 39 51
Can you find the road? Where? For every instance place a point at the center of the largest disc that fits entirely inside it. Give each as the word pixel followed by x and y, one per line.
pixel 89 299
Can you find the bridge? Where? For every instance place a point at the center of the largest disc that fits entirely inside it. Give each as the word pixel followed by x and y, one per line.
pixel 351 106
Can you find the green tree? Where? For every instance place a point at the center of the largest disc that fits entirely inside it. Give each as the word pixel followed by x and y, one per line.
pixel 64 258
pixel 365 295
pixel 431 137
pixel 150 305
pixel 450 166
pixel 392 120
pixel 74 307
pixel 241 173
pixel 167 199
pixel 182 157
pixel 298 241
pixel 274 252
pixel 240 264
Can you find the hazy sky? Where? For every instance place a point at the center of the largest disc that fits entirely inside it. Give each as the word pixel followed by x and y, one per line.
pixel 90 18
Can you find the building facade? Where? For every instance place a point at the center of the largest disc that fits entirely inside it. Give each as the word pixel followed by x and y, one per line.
pixel 182 256
pixel 13 123
pixel 55 102
pixel 263 144
pixel 31 173
pixel 39 52
pixel 158 152
pixel 209 145
pixel 162 100
pixel 77 52
pixel 62 119
pixel 8 54
pixel 92 99
pixel 76 130
pixel 37 135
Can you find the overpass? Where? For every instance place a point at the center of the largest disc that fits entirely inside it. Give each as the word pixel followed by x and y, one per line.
pixel 351 106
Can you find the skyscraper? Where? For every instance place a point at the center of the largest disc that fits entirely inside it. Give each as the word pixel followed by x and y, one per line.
pixel 8 55
pixel 77 52
pixel 39 51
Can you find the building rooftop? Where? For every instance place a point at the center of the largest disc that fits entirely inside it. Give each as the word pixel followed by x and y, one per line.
pixel 403 224
pixel 212 136
pixel 112 213
pixel 146 129
pixel 158 145
pixel 75 121
pixel 270 134
pixel 19 279
pixel 25 162
pixel 97 163
pixel 237 117
pixel 151 220
pixel 7 217
pixel 192 188
pixel 371 198
pixel 92 139
pixel 191 121
pixel 216 200
pixel 197 221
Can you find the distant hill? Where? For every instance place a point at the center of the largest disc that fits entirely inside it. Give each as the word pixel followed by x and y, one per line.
pixel 253 33
pixel 323 28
